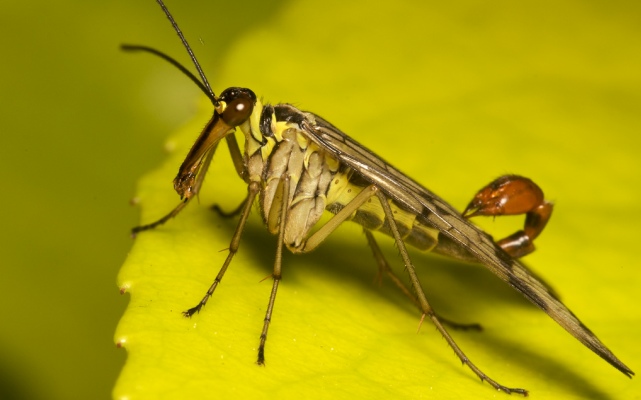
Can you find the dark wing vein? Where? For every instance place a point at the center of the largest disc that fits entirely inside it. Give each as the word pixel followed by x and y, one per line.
pixel 434 211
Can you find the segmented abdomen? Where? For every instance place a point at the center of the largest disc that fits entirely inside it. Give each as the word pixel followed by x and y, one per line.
pixel 275 145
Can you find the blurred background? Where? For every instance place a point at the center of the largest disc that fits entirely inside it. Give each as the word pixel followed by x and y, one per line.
pixel 82 121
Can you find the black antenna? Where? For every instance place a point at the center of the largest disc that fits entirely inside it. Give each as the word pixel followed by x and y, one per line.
pixel 191 53
pixel 172 61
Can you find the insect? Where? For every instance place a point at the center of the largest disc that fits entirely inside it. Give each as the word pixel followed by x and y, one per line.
pixel 297 166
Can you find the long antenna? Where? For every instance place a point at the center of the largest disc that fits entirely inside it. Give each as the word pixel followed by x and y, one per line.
pixel 172 61
pixel 190 51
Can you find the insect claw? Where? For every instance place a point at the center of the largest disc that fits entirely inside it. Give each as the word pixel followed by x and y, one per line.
pixel 506 195
pixel 261 356
pixel 472 209
pixel 192 311
pixel 508 390
pixel 513 195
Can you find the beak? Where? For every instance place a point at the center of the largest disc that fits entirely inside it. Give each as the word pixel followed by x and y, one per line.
pixel 186 182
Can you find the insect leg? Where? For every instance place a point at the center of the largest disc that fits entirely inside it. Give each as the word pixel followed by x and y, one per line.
pixel 425 306
pixel 252 190
pixel 162 220
pixel 276 274
pixel 384 267
pixel 236 156
pixel 239 165
pixel 321 234
pixel 229 214
pixel 196 188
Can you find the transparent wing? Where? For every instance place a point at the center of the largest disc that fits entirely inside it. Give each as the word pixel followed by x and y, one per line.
pixel 434 211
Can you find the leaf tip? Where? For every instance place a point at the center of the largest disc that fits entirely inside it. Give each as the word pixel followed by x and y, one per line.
pixel 124 288
pixel 120 343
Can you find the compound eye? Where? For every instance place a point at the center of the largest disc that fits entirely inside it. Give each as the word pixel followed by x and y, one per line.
pixel 237 111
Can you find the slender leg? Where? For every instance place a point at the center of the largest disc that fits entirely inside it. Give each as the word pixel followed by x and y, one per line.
pixel 229 214
pixel 312 242
pixel 236 156
pixel 425 306
pixel 237 159
pixel 202 171
pixel 384 267
pixel 162 220
pixel 307 245
pixel 276 275
pixel 330 226
pixel 252 190
pixel 195 189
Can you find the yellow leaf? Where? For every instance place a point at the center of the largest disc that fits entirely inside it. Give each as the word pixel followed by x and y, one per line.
pixel 454 96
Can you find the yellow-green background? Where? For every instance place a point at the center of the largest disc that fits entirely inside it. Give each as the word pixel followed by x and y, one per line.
pixel 452 94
